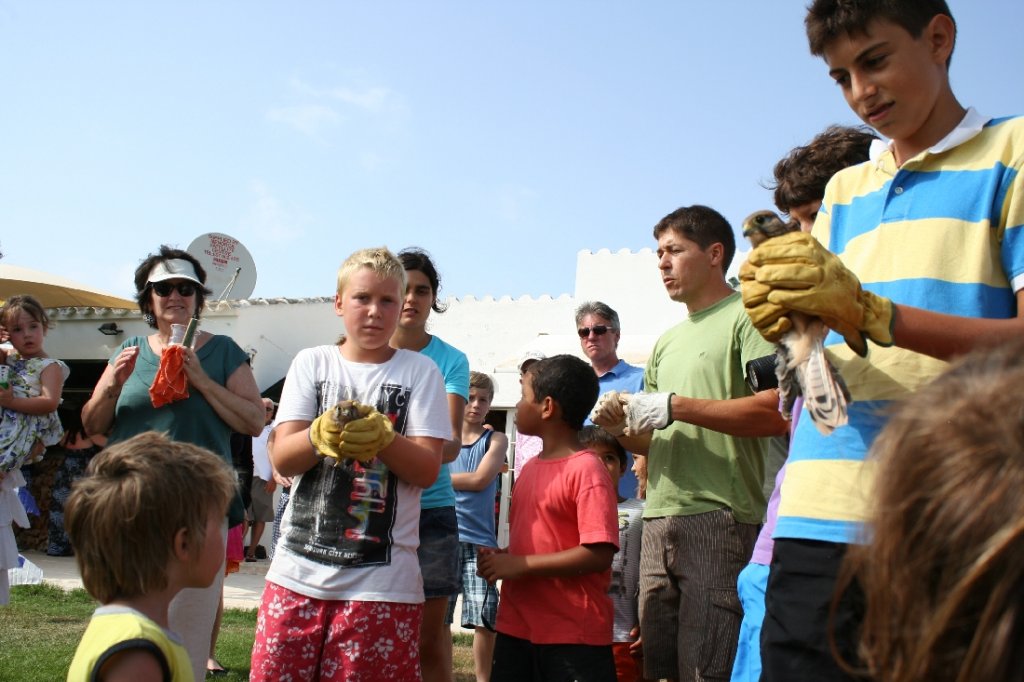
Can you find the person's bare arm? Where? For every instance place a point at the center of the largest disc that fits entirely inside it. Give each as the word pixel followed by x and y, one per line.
pixel 292 453
pixel 755 416
pixel 638 445
pixel 579 560
pixel 98 411
pixel 132 665
pixel 283 481
pixel 415 460
pixel 456 408
pixel 237 403
pixel 944 336
pixel 51 380
pixel 490 466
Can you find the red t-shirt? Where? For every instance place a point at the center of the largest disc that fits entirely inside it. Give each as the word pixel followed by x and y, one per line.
pixel 557 505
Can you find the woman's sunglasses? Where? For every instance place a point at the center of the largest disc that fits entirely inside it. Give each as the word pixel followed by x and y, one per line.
pixel 164 289
pixel 598 329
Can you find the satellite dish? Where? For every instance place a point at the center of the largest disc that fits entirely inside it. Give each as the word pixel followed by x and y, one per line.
pixel 230 269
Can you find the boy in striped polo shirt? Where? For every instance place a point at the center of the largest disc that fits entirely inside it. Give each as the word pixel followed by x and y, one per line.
pixel 934 230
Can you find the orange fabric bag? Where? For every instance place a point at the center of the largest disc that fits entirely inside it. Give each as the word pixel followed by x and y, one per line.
pixel 170 382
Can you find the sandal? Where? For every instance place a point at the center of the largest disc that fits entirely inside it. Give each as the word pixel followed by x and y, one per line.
pixel 217 670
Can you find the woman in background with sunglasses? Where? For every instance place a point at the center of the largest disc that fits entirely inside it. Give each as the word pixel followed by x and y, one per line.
pixel 223 398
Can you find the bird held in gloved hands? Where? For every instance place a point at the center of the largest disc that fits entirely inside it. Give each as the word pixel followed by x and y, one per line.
pixel 801 364
pixel 351 430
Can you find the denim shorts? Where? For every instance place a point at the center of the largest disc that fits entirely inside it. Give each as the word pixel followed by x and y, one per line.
pixel 439 552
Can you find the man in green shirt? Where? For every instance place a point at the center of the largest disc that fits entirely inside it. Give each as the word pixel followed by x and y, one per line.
pixel 704 433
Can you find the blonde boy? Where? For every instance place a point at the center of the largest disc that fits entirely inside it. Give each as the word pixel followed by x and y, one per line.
pixel 137 545
pixel 344 593
pixel 474 478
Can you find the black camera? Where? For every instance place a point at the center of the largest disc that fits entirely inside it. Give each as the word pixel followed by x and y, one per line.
pixel 761 373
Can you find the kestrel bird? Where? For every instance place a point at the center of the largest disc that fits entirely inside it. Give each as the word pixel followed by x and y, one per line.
pixel 800 361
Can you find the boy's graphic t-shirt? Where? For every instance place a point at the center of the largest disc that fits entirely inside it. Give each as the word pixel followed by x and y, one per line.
pixel 343 520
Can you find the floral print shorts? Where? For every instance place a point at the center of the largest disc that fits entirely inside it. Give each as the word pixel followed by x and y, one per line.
pixel 302 638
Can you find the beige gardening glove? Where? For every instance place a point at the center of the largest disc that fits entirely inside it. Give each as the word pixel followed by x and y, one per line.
pixel 609 412
pixel 646 412
pixel 794 272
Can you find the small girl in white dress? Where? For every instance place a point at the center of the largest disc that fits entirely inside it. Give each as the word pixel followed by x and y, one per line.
pixel 29 395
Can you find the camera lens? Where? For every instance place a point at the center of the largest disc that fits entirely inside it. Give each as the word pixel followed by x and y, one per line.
pixel 761 374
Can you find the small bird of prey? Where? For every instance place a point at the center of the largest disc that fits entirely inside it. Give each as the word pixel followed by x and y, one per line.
pixel 345 411
pixel 800 361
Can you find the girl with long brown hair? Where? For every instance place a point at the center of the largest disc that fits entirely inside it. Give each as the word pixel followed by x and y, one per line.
pixel 943 575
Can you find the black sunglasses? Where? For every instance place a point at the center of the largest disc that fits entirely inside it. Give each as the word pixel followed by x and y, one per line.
pixel 598 329
pixel 164 289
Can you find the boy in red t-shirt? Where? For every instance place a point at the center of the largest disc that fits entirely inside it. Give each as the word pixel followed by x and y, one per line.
pixel 555 616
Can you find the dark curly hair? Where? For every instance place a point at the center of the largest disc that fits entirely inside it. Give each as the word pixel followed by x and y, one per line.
pixel 142 296
pixel 801 176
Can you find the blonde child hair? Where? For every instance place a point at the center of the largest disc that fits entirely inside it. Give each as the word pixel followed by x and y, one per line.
pixel 123 516
pixel 943 574
pixel 482 382
pixel 378 259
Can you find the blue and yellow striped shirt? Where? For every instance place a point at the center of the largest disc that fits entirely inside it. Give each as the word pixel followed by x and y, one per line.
pixel 944 232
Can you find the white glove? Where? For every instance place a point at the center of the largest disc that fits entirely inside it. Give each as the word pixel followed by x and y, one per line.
pixel 608 412
pixel 646 412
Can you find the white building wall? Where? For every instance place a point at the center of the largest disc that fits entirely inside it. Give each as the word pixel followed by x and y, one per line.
pixel 631 284
pixel 494 333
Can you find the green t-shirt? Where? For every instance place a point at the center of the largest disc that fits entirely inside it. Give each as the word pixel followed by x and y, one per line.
pixel 690 469
pixel 191 420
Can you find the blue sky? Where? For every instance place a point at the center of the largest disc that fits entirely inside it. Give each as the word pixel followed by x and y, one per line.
pixel 504 137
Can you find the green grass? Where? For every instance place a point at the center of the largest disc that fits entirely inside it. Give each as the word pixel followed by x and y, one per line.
pixel 462 657
pixel 234 644
pixel 40 629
